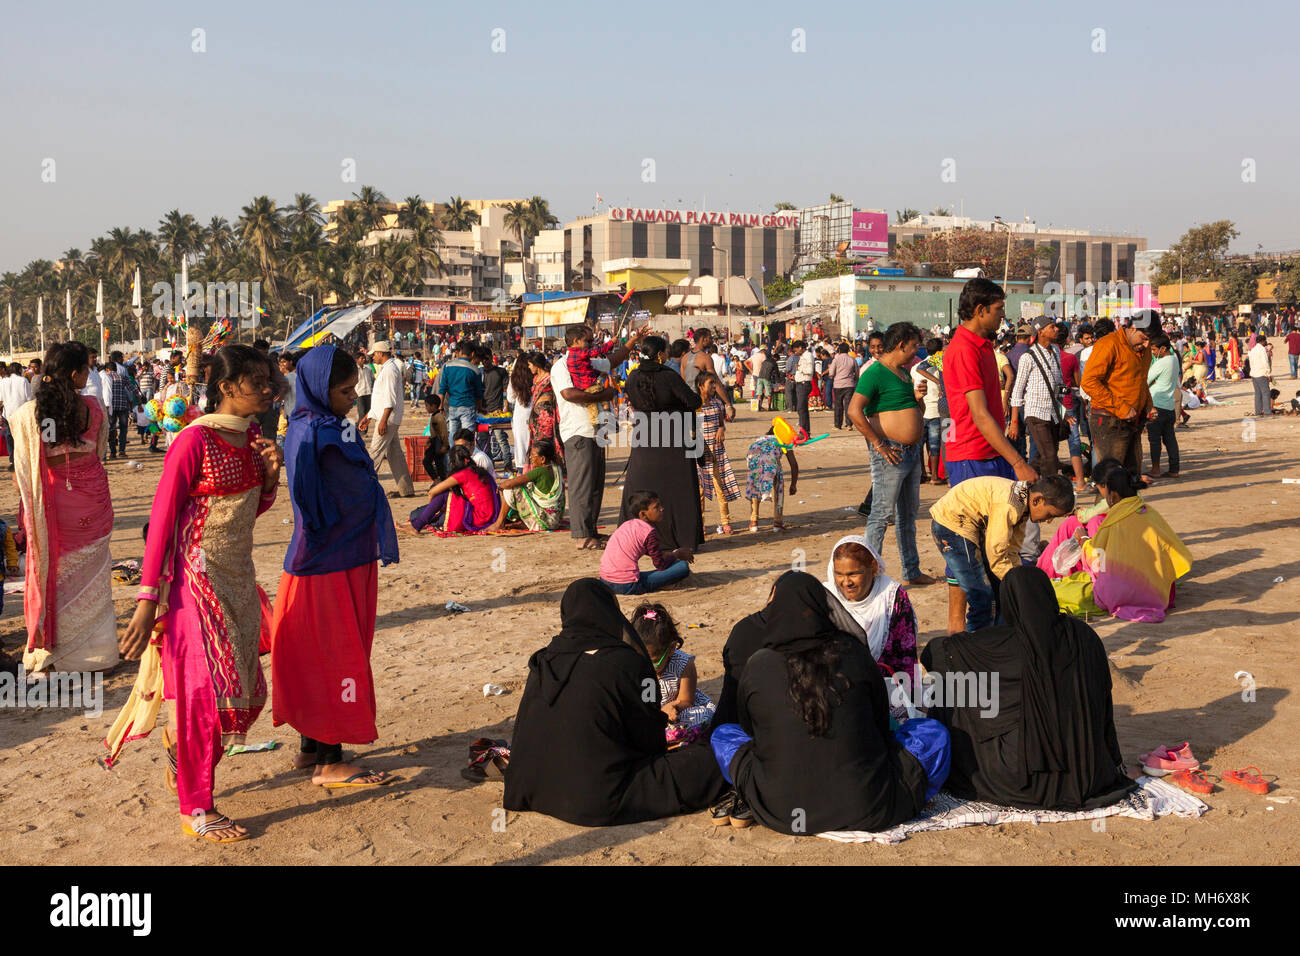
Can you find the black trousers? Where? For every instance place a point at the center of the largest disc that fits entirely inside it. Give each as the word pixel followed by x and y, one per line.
pixel 363 407
pixel 325 753
pixel 840 401
pixel 1046 461
pixel 585 461
pixel 1160 431
pixel 801 392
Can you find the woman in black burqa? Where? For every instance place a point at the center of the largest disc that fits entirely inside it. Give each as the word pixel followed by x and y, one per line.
pixel 1051 744
pixel 812 749
pixel 665 415
pixel 589 743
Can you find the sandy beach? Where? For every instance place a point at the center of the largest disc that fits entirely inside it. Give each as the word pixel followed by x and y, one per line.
pixel 1237 610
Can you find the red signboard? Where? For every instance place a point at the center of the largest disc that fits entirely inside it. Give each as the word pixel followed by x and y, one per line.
pixel 403 311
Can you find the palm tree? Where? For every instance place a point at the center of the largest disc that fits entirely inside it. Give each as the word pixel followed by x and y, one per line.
pixel 783 206
pixel 413 212
pixel 836 197
pixel 539 216
pixel 459 216
pixel 371 201
pixel 518 221
pixel 219 240
pixel 181 237
pixel 261 230
pixel 303 212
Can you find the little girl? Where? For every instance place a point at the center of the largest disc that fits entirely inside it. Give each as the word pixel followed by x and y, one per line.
pixel 767 479
pixel 688 708
pixel 637 538
pixel 716 476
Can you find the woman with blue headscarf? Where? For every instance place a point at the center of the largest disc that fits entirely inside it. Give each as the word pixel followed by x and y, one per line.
pixel 325 609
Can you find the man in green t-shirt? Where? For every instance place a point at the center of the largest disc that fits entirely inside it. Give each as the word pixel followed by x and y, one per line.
pixel 885 410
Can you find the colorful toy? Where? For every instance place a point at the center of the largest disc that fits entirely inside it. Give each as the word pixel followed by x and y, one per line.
pixel 788 437
pixel 153 409
pixel 218 334
pixel 175 407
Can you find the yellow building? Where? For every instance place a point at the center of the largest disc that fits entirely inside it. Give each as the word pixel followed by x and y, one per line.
pixel 1202 295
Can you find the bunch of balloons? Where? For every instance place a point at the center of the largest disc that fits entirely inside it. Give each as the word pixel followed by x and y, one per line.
pixel 172 415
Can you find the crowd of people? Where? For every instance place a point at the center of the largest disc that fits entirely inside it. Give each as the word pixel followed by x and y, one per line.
pixel 519 443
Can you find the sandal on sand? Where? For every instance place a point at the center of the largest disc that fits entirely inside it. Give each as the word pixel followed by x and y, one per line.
pixel 753 528
pixel 169 748
pixel 356 781
pixel 1193 781
pixel 487 758
pixel 215 825
pixel 1253 782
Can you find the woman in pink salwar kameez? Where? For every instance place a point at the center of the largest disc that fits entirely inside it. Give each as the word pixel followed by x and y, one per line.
pixel 198 578
pixel 68 518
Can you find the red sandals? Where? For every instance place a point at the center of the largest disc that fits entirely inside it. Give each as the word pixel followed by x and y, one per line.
pixel 1253 782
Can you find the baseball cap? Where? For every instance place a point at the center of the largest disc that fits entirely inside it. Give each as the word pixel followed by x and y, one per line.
pixel 383 345
pixel 1041 322
pixel 1024 328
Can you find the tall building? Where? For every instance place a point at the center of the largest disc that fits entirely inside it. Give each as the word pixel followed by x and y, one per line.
pixel 756 245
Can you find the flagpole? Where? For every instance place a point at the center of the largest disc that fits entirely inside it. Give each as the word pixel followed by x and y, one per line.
pixel 40 321
pixel 67 310
pixel 137 307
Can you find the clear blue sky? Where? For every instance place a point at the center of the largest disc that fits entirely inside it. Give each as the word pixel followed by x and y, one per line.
pixel 1037 123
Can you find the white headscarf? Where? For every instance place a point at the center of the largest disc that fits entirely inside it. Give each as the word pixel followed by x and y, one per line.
pixel 873 611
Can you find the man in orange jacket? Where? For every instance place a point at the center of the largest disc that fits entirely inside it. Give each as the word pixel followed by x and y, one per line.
pixel 1115 379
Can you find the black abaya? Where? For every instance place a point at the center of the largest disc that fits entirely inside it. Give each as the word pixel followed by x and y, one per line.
pixel 667 471
pixel 1052 744
pixel 589 743
pixel 854 777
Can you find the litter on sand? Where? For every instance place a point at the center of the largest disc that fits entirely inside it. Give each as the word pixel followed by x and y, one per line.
pixel 493 690
pixel 456 608
pixel 251 748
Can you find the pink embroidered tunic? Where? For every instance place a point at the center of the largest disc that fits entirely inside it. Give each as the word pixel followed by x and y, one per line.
pixel 198 565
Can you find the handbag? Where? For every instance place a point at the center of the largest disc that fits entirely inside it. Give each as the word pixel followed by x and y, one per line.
pixel 1060 427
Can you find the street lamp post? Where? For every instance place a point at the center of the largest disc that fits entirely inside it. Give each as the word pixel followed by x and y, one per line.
pixel 726 268
pixel 1006 263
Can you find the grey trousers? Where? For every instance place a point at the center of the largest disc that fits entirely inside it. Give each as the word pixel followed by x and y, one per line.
pixel 389 448
pixel 585 461
pixel 1263 404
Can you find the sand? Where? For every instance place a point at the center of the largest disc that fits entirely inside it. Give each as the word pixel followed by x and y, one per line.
pixel 1174 682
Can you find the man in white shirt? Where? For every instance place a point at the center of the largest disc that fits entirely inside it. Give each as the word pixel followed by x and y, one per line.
pixel 15 392
pixel 365 384
pixel 386 411
pixel 584 457
pixel 1261 376
pixel 93 387
pixel 803 376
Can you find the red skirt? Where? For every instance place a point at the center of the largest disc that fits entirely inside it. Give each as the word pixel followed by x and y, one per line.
pixel 323 628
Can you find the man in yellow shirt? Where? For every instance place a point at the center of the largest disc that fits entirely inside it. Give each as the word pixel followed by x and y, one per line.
pixel 978 527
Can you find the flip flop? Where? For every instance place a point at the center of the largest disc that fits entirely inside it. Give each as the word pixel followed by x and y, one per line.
pixel 356 781
pixel 1193 781
pixel 1253 782
pixel 220 822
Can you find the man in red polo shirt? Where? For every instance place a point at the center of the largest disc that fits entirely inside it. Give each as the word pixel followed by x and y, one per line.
pixel 975 441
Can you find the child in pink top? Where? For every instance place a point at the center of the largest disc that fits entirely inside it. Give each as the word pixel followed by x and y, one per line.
pixel 637 538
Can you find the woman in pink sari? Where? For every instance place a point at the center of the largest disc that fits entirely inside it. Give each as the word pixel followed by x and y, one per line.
pixel 198 577
pixel 68 518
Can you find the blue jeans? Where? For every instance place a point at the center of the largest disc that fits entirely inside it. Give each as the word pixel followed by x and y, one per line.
pixel 1294 360
pixel 458 417
pixel 648 581
pixel 934 436
pixel 1076 449
pixel 969 570
pixel 896 489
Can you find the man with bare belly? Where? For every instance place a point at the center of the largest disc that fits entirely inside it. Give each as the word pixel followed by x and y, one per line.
pixel 885 410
